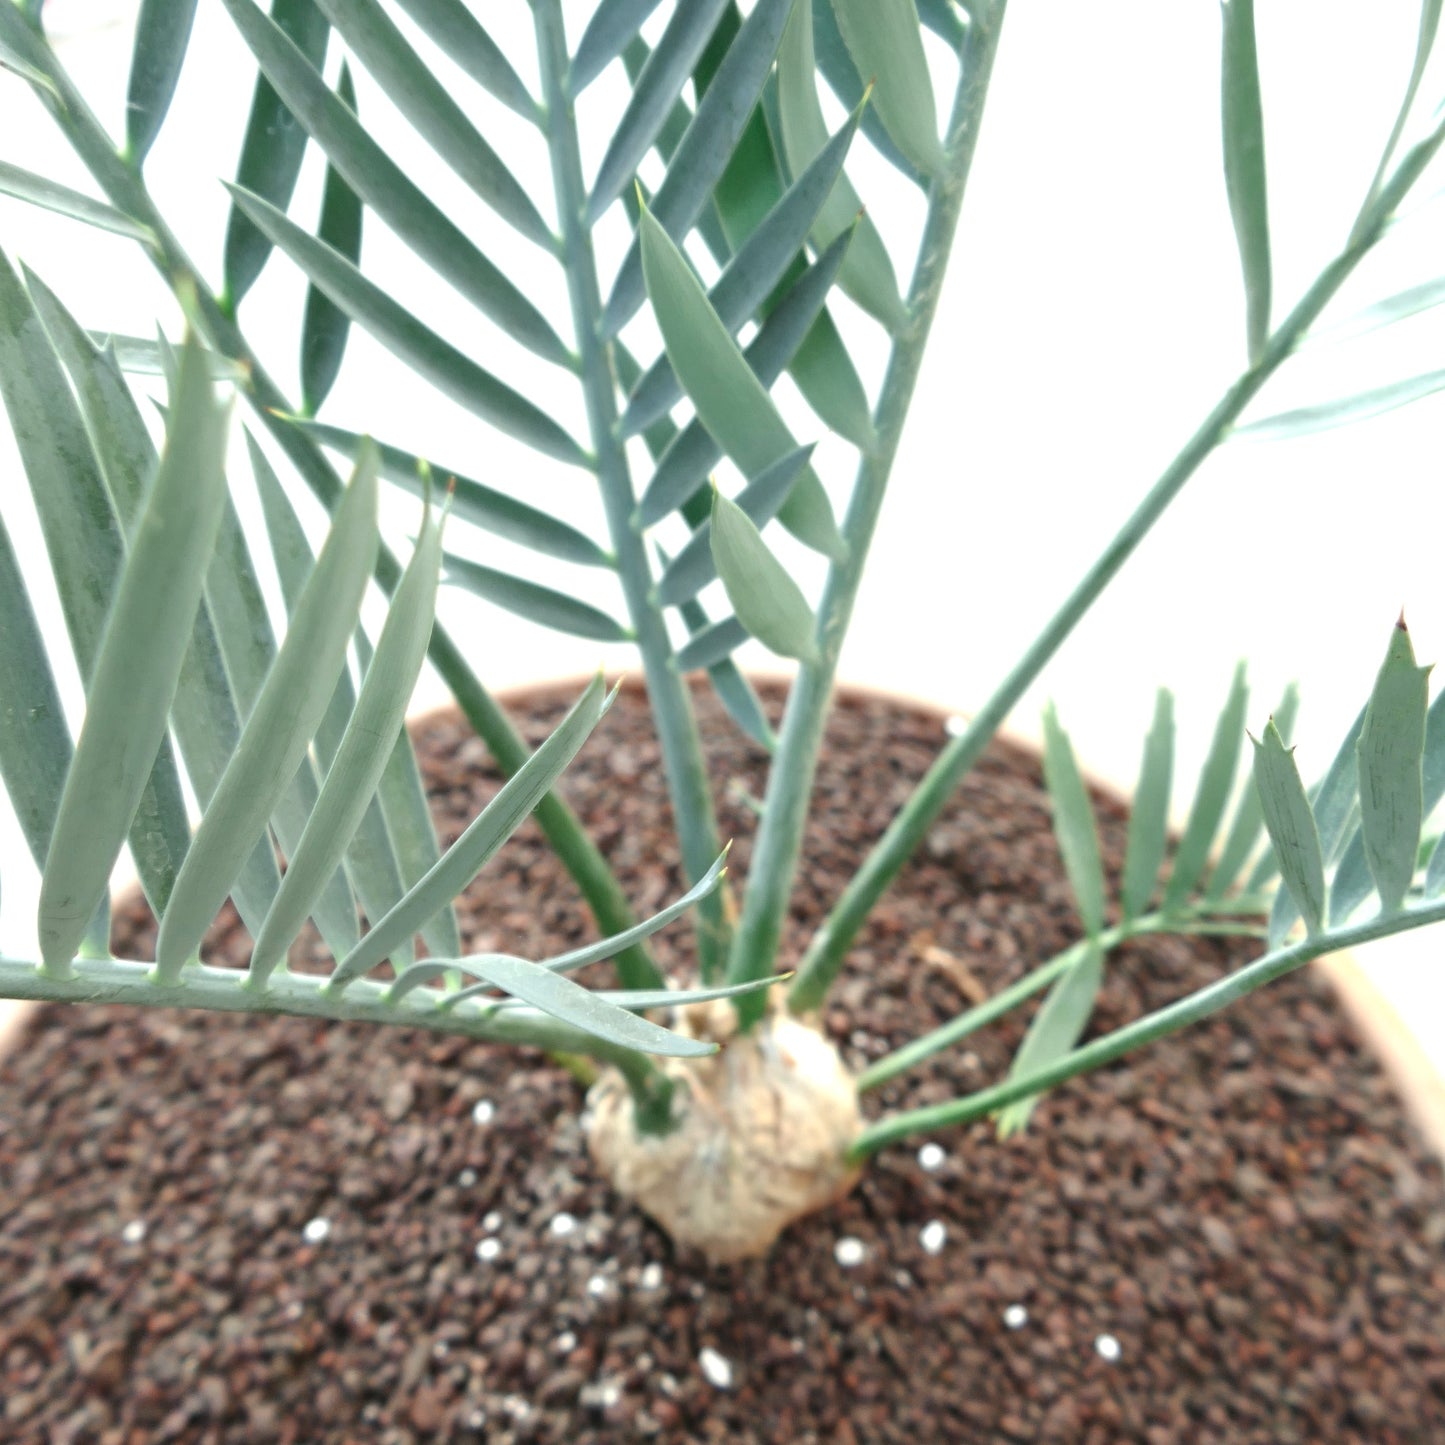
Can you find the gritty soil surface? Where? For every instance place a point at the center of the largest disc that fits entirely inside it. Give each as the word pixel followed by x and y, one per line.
pixel 1243 1211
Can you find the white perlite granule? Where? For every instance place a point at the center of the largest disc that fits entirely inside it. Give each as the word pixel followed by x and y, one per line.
pixel 715 1369
pixel 601 1394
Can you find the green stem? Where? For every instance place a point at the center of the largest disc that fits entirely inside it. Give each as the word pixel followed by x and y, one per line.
pixel 301 995
pixel 1156 1025
pixel 825 953
pixel 671 705
pixel 790 779
pixel 917 1051
pixel 126 190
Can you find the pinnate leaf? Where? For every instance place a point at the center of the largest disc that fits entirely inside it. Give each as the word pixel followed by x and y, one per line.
pixel 712 644
pixel 750 276
pixel 1248 821
pixel 162 36
pixel 1149 818
pixel 1397 307
pixel 325 327
pixel 653 95
pixel 483 836
pixel 691 455
pixel 1244 170
pixel 472 501
pixel 386 188
pixel 1391 752
pixel 1216 779
pixel 543 605
pixel 868 275
pixel 52 196
pixel 437 361
pixel 271 150
pixel 886 42
pixel 35 744
pixel 416 92
pixel 1291 826
pixel 1074 825
pixel 459 34
pixel 611 29
pixel 138 662
pixel 731 401
pixel 1342 411
pixel 693 567
pixel 590 953
pixel 1056 1028
pixel 710 140
pixel 281 724
pixel 765 598
pixel 565 999
pixel 365 748
pixel 83 544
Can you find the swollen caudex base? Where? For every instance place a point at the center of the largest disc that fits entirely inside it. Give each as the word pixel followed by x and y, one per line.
pixel 761 1131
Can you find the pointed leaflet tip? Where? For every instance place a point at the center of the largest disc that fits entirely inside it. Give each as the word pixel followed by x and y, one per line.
pixel 424 473
pixel 1270 727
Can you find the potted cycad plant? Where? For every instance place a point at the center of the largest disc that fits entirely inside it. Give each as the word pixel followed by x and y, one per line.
pixel 720 1104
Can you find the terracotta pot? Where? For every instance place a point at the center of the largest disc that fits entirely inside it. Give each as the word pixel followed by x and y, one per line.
pixel 1231 1236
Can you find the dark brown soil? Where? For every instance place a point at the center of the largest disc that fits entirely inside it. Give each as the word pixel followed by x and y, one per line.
pixel 1243 1210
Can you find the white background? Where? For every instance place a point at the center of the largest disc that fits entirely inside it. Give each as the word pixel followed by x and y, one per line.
pixel 1093 315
